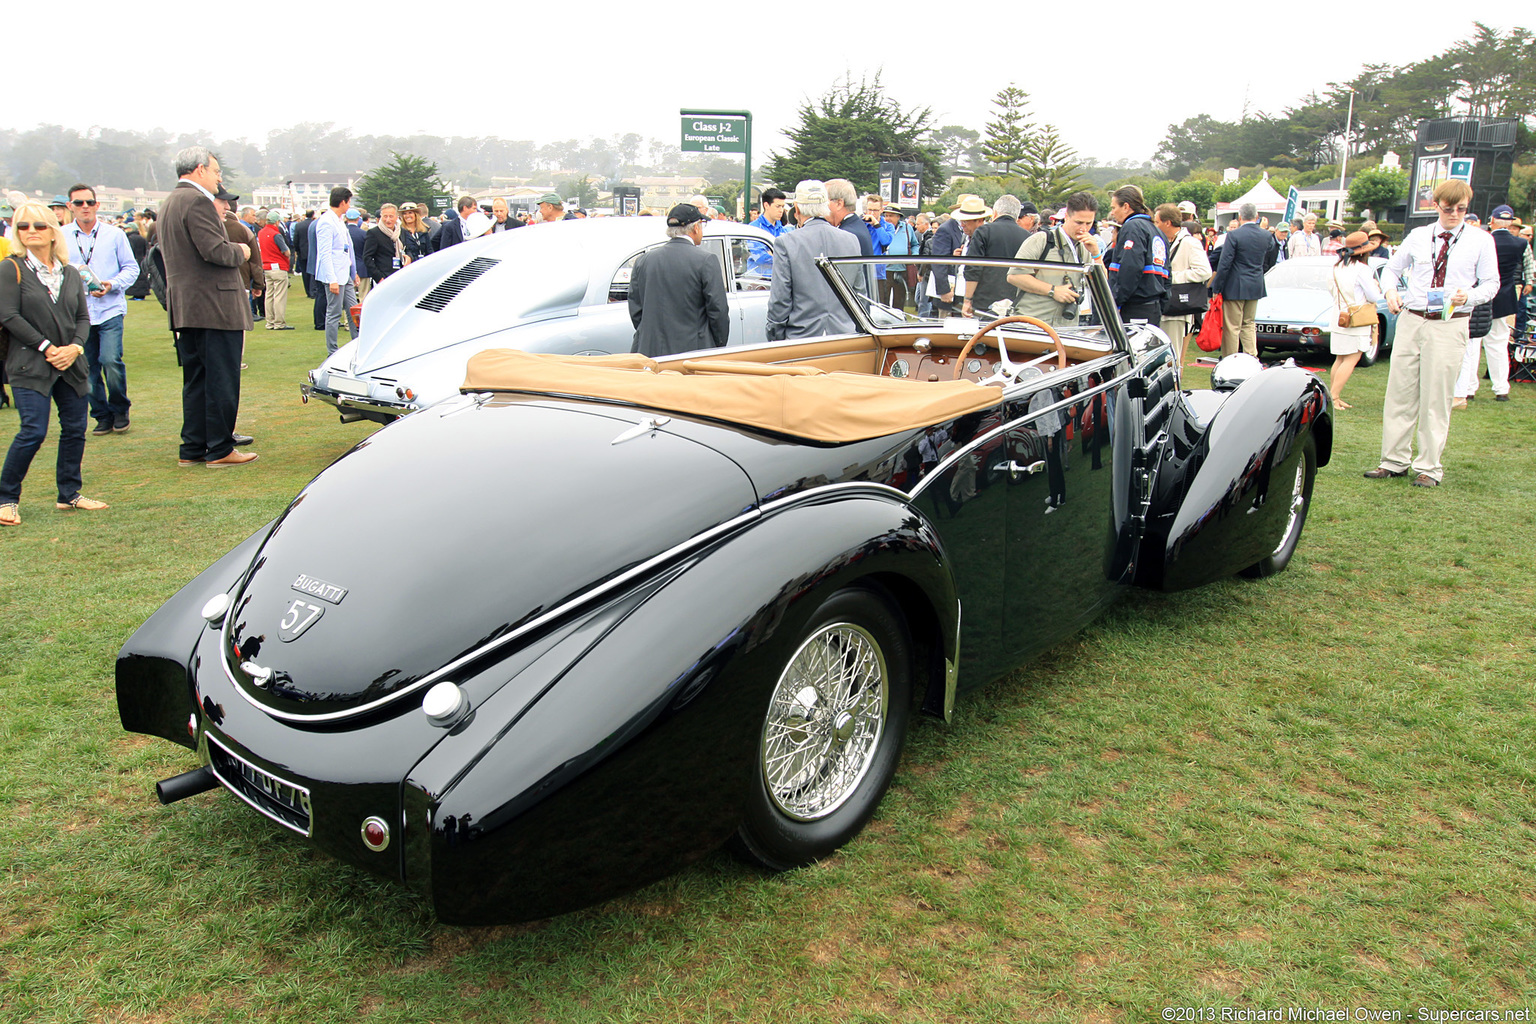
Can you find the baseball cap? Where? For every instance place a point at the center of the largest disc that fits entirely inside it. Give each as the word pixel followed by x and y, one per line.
pixel 551 198
pixel 683 214
pixel 1505 212
pixel 59 201
pixel 354 215
pixel 224 194
pixel 810 192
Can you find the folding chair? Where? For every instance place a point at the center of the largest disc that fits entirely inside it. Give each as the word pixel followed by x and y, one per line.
pixel 1522 363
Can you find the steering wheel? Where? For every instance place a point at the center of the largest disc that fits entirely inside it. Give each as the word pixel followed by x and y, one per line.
pixel 1002 352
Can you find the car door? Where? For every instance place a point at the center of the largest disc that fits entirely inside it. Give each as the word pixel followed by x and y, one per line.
pixel 1057 469
pixel 751 275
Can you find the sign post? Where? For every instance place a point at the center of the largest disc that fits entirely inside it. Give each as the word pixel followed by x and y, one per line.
pixel 1292 201
pixel 721 131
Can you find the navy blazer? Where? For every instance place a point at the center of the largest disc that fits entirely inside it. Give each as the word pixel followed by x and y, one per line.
pixel 1510 249
pixel 1245 255
pixel 949 237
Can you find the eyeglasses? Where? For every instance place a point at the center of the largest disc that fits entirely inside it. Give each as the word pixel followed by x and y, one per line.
pixel 39 226
pixel 82 202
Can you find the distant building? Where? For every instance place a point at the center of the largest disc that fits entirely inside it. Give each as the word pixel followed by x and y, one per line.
pixel 303 192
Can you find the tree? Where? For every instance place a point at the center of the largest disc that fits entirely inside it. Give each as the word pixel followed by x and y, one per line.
pixel 1050 170
pixel 1201 193
pixel 1011 134
pixel 958 146
pixel 1378 190
pixel 849 131
pixel 406 178
pixel 580 189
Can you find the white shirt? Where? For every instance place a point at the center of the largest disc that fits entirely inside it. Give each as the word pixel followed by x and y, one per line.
pixel 1472 264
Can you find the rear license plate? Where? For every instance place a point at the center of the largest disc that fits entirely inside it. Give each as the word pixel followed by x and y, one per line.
pixel 348 385
pixel 284 802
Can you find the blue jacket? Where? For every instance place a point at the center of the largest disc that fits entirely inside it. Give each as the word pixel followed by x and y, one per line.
pixel 1244 256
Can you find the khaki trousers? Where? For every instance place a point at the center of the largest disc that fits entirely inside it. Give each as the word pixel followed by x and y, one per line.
pixel 1237 326
pixel 277 299
pixel 364 286
pixel 1426 359
pixel 1177 329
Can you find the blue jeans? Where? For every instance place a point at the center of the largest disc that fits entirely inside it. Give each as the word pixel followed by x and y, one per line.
pixel 109 379
pixel 33 407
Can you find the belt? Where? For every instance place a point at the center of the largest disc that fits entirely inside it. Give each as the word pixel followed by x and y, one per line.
pixel 1437 316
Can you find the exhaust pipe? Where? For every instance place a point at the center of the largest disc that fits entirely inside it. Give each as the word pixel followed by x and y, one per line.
pixel 179 787
pixel 351 417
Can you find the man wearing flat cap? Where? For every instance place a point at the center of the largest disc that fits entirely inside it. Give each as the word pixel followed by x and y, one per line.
pixel 551 208
pixel 677 291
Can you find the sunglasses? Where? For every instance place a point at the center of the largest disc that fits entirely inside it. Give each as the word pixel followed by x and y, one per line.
pixel 82 202
pixel 39 226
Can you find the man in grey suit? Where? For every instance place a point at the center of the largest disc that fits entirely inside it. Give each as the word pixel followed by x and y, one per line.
pixel 209 314
pixel 677 291
pixel 801 304
pixel 1246 254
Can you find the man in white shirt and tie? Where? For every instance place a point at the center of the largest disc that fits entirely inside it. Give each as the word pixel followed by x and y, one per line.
pixel 1450 269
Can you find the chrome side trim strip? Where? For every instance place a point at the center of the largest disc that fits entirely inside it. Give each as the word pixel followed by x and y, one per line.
pixel 596 593
pixel 960 453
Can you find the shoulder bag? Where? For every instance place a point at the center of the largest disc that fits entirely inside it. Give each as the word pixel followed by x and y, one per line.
pixel 1353 314
pixel 1190 297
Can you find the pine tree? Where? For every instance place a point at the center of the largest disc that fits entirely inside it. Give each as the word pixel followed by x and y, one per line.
pixel 1050 170
pixel 1011 135
pixel 405 178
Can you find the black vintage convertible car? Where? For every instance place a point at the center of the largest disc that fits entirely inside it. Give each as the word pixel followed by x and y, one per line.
pixel 820 538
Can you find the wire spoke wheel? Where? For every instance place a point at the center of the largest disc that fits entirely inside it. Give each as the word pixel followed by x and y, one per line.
pixel 832 729
pixel 824 721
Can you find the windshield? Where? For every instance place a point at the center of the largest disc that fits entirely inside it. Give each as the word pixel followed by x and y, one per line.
pixel 1084 318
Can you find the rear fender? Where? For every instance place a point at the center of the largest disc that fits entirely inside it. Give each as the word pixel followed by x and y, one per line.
pixel 636 758
pixel 154 674
pixel 1211 512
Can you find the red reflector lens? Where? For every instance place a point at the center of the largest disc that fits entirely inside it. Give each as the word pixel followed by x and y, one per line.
pixel 375 834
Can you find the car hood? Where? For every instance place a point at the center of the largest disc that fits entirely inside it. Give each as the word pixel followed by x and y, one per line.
pixel 1295 305
pixel 454 529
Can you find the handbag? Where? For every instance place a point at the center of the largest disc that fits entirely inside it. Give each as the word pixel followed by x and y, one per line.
pixel 1354 315
pixel 1191 297
pixel 1209 338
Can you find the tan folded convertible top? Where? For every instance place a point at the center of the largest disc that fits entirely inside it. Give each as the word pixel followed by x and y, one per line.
pixel 801 401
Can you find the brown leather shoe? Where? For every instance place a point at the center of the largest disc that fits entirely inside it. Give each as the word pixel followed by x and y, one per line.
pixel 1382 472
pixel 184 463
pixel 1425 480
pixel 233 459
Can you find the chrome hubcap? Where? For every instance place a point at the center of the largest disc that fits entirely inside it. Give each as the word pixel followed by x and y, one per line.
pixel 1298 499
pixel 824 722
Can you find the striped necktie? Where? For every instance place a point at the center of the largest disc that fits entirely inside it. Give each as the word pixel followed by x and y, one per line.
pixel 1437 277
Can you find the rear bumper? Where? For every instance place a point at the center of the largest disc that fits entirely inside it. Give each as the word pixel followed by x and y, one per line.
pixel 370 408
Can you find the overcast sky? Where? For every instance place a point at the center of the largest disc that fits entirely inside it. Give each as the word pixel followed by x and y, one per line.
pixel 521 79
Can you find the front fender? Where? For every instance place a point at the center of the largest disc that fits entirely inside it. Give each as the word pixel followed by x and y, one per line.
pixel 1211 514
pixel 154 675
pixel 637 757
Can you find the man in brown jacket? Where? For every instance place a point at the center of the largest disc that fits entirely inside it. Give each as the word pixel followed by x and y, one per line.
pixel 208 311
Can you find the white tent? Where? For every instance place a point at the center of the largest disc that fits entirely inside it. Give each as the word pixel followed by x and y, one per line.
pixel 1263 196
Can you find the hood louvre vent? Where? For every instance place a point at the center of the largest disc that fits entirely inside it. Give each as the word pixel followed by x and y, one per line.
pixel 438 298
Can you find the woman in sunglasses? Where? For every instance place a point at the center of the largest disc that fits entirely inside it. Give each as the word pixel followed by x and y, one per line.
pixel 42 305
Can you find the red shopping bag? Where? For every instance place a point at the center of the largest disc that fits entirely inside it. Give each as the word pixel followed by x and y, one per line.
pixel 1209 338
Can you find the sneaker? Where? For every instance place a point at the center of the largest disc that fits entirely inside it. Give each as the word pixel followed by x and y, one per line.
pixel 121 426
pixel 102 428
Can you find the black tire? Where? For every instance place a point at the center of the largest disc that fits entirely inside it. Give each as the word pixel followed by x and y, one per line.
pixel 808 812
pixel 1301 501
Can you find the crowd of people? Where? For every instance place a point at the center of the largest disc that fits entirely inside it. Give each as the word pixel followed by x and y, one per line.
pixel 68 274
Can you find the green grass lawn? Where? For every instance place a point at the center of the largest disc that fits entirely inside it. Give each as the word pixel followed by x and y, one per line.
pixel 1314 790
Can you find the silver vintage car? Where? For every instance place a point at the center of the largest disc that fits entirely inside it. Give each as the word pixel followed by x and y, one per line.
pixel 547 288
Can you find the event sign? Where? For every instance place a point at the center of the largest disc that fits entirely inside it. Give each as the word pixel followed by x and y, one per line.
pixel 710 134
